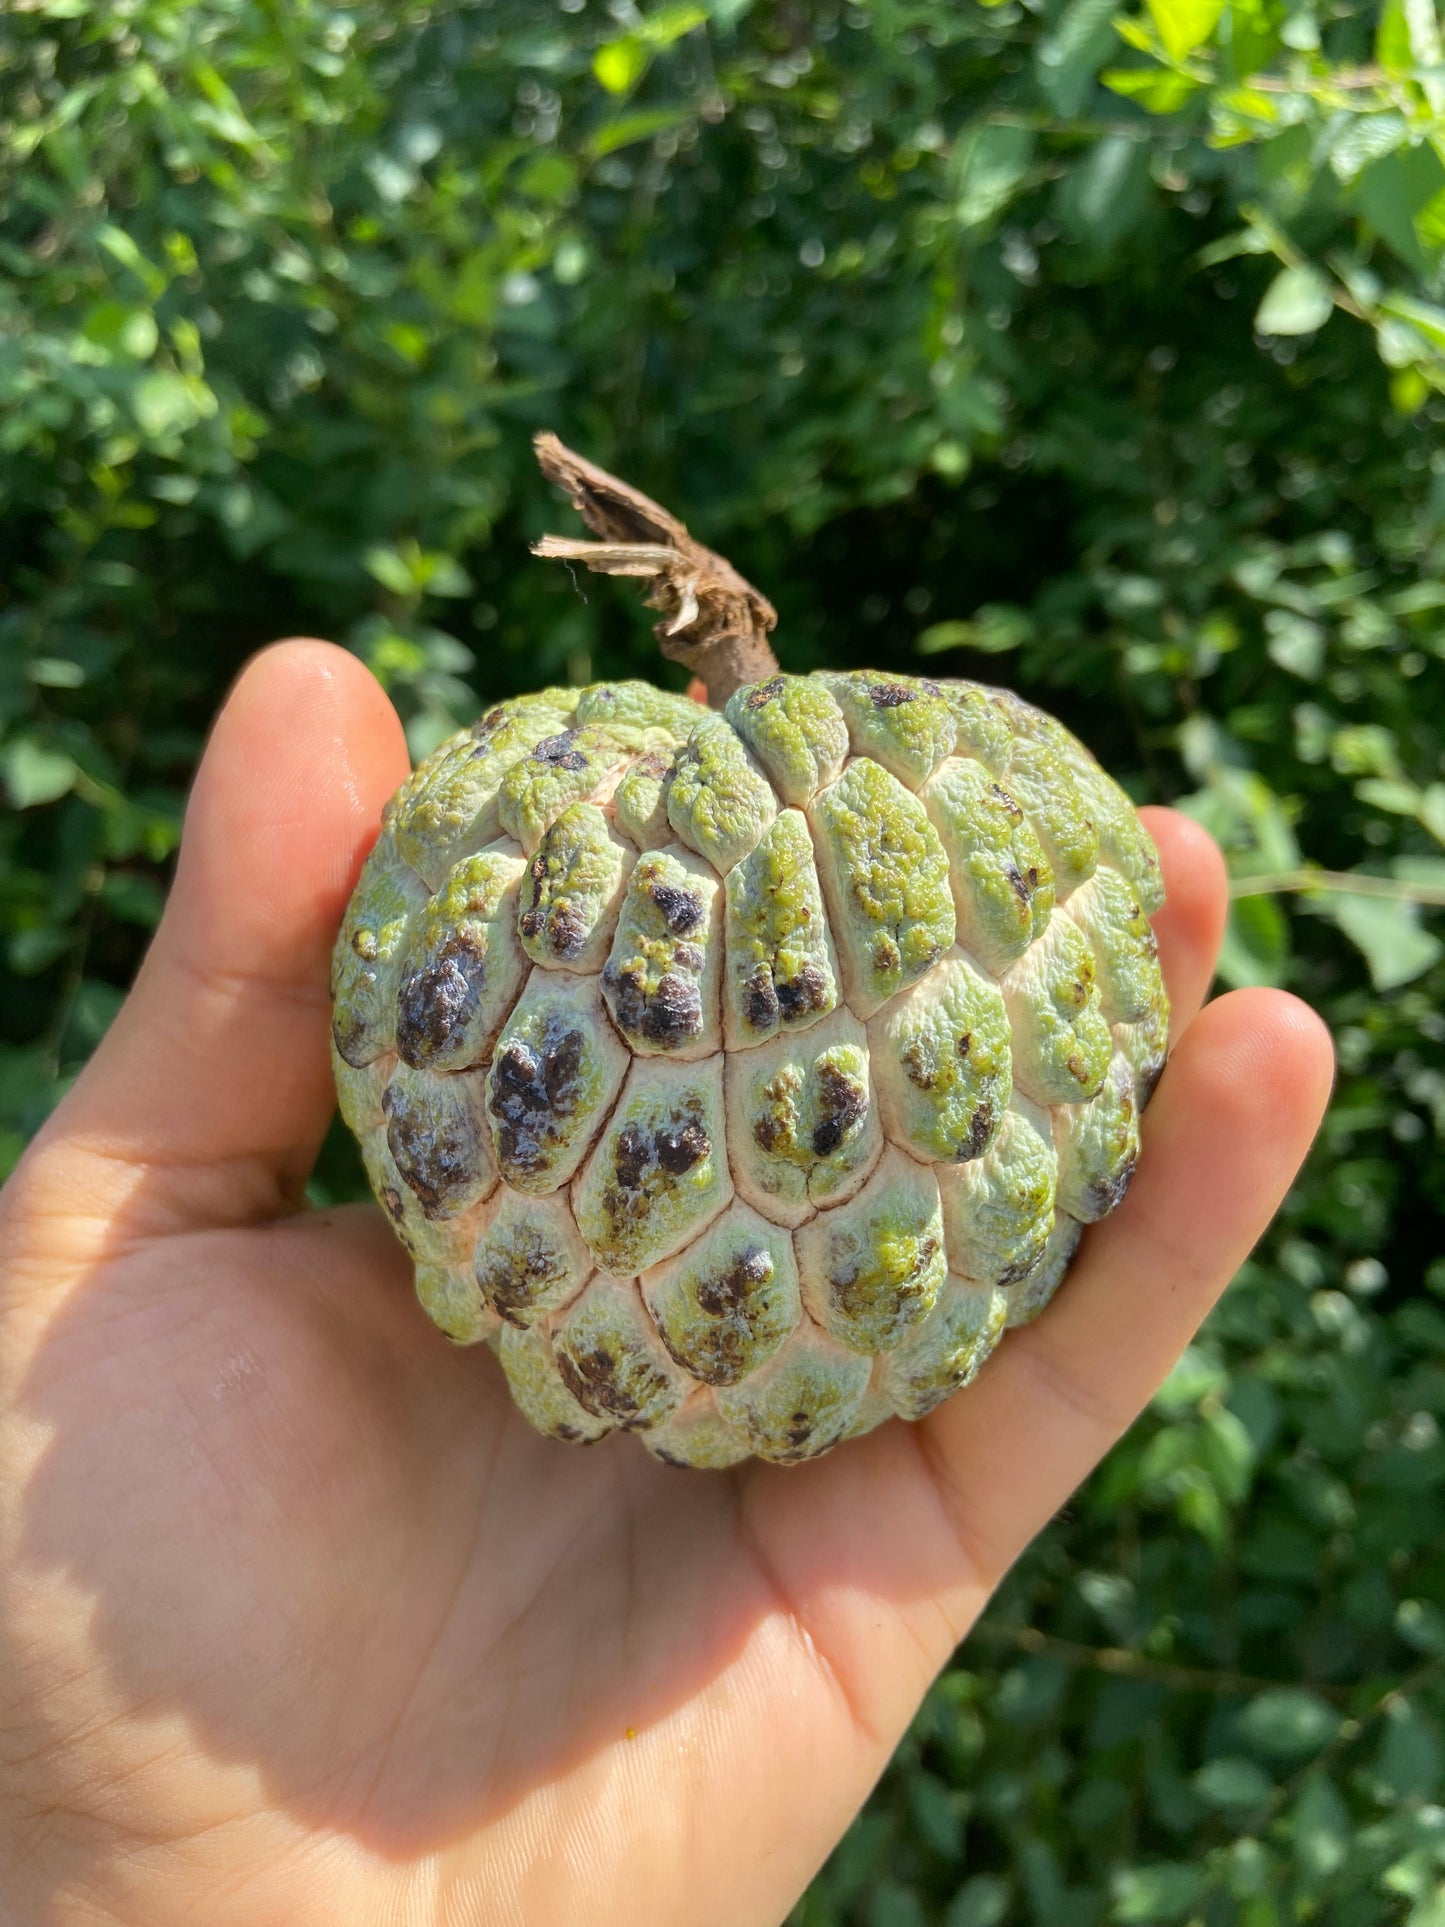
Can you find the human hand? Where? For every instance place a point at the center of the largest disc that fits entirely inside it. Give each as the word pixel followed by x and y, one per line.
pixel 301 1623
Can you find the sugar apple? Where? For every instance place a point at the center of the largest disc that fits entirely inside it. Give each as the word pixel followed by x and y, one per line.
pixel 742 1077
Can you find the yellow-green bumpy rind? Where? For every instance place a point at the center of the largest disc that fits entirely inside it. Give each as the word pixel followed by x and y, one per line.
pixel 781 970
pixel 742 1079
pixel 730 1300
pixel 795 730
pixel 885 881
pixel 660 1172
pixel 718 800
pixel 572 893
pixel 941 1063
pixel 906 725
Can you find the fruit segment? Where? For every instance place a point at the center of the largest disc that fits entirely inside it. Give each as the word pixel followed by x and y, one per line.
pixel 885 880
pixel 781 970
pixel 660 1170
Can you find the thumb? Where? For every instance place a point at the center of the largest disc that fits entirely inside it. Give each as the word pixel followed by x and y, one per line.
pixel 216 1072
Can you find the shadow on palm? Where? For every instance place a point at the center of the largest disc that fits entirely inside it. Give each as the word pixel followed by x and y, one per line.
pixel 324 1542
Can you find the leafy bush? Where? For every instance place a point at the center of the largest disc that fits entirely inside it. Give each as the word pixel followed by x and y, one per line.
pixel 1096 354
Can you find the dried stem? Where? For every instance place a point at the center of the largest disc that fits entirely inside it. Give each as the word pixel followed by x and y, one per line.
pixel 715 623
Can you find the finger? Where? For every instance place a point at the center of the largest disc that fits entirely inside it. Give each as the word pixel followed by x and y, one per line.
pixel 218 1064
pixel 1190 926
pixel 1235 1113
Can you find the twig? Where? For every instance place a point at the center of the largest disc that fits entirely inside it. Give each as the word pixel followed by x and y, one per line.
pixel 1396 890
pixel 1121 1661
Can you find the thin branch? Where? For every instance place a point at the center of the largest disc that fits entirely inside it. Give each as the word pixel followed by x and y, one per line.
pixel 1120 1661
pixel 1354 882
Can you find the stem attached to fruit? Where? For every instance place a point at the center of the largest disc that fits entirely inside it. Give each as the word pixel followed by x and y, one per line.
pixel 715 623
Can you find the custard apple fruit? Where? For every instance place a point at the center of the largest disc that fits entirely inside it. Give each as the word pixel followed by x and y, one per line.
pixel 740 1078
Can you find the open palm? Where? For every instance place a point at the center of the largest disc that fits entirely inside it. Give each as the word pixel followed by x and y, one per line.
pixel 299 1622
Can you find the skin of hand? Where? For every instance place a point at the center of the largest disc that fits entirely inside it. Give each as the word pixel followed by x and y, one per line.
pixel 300 1623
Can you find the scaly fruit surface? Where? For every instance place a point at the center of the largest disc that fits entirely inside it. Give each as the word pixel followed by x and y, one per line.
pixel 742 1077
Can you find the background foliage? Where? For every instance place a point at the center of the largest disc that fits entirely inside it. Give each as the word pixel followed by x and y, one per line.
pixel 1096 353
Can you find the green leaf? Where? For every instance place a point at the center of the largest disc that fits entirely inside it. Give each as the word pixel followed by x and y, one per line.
pixel 1408 36
pixel 1256 945
pixel 989 163
pixel 1071 54
pixel 629 128
pixel 1364 138
pixel 1421 1623
pixel 1108 194
pixel 980 1902
pixel 1423 316
pixel 1164 1892
pixel 121 247
pixel 1296 302
pixel 1288 1723
pixel 1194 1378
pixel 1407 1764
pixel 1183 25
pixel 133 897
pixel 391 570
pixel 938 1813
pixel 1321 1828
pixel 1251 34
pixel 994 631
pixel 1388 935
pixel 165 404
pixel 620 64
pixel 1295 643
pixel 1155 89
pixel 1393 190
pixel 122 330
pixel 34 774
pixel 1228 1782
pixel 34 949
pixel 660 29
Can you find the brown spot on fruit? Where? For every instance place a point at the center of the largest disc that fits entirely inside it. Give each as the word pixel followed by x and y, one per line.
pixel 841 1104
pixel 438 1157
pixel 765 692
pixel 611 1388
pixel 634 1150
pixel 680 909
pixel 1010 805
pixel 760 1001
pixel 919 1066
pixel 671 1015
pixel 728 1291
pixel 1104 1194
pixel 678 1150
pixel 980 1134
pixel 797 996
pixel 560 751
pixel 436 1002
pixel 889 695
pixel 532 1094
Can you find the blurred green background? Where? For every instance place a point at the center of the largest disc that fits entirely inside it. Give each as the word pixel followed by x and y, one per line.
pixel 1097 353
